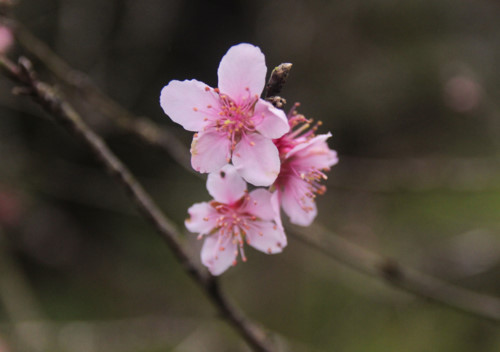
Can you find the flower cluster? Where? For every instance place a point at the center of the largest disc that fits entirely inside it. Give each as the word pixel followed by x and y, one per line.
pixel 242 138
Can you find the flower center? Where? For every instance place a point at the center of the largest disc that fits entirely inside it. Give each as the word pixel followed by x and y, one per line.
pixel 231 221
pixel 301 183
pixel 236 118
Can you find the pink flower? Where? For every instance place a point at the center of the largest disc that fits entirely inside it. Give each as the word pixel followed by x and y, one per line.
pixel 232 122
pixel 304 157
pixel 232 218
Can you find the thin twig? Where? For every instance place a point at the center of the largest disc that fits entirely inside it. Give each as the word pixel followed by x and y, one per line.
pixel 66 116
pixel 332 245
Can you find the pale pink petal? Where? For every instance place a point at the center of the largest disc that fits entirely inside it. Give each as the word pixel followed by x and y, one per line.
pixel 218 253
pixel 270 121
pixel 210 151
pixel 243 67
pixel 307 144
pixel 314 153
pixel 259 204
pixel 187 103
pixel 300 208
pixel 6 39
pixel 257 160
pixel 202 218
pixel 275 203
pixel 266 237
pixel 225 185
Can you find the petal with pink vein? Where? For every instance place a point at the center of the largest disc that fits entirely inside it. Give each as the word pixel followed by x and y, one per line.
pixel 209 151
pixel 300 208
pixel 257 160
pixel 202 218
pixel 243 67
pixel 186 103
pixel 266 237
pixel 218 253
pixel 259 204
pixel 271 122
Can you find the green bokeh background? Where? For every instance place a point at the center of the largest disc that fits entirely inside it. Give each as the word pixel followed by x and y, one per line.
pixel 410 91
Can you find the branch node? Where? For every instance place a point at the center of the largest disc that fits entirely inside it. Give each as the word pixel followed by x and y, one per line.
pixel 26 68
pixel 391 270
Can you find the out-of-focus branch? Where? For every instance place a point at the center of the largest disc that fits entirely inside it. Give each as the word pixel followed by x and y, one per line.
pixel 20 304
pixel 129 334
pixel 140 127
pixel 67 117
pixel 332 245
pixel 389 270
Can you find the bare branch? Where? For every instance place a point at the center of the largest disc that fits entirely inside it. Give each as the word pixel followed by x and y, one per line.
pixel 66 116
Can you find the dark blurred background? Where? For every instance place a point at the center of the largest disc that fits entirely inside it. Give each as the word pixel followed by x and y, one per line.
pixel 410 91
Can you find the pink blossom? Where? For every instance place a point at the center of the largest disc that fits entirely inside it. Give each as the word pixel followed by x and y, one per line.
pixel 6 39
pixel 232 218
pixel 232 122
pixel 305 158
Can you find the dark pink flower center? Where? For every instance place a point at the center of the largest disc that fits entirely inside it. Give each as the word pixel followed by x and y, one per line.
pixel 234 222
pixel 293 177
pixel 236 118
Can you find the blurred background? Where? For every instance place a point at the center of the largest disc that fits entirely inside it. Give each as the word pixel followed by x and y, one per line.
pixel 411 93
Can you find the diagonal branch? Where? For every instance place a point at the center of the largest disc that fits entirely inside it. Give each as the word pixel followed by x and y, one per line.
pixel 143 128
pixel 67 117
pixel 332 245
